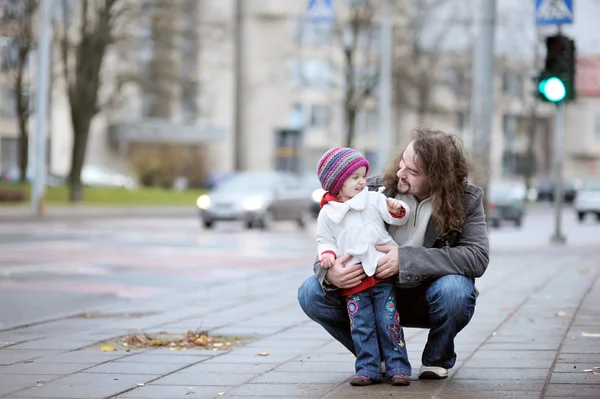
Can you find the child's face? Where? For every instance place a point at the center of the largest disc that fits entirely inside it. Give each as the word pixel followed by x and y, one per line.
pixel 354 184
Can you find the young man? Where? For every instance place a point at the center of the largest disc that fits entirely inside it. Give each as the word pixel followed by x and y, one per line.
pixel 445 247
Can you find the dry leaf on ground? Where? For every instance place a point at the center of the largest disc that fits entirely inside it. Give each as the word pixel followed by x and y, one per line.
pixel 108 348
pixel 591 335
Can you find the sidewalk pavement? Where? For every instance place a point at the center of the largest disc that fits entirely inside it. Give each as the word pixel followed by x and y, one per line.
pixel 79 212
pixel 535 334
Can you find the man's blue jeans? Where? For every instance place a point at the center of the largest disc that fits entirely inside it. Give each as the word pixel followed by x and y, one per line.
pixel 444 306
pixel 375 327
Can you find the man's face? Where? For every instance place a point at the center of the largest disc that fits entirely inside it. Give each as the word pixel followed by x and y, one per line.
pixel 412 177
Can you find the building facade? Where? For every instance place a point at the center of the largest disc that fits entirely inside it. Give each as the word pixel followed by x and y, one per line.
pixel 234 96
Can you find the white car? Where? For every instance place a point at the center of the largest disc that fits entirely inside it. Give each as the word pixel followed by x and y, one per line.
pixel 101 176
pixel 588 199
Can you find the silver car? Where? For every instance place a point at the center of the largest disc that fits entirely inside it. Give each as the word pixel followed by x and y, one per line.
pixel 588 200
pixel 257 198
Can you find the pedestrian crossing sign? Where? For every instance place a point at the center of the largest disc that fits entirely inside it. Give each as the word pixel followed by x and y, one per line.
pixel 553 12
pixel 320 10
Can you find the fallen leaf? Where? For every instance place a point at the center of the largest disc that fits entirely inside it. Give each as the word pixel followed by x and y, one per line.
pixel 220 393
pixel 561 313
pixel 108 348
pixel 202 340
pixel 39 385
pixel 494 334
pixel 263 353
pixel 593 335
pixel 588 370
pixel 584 270
pixel 217 344
pixel 141 384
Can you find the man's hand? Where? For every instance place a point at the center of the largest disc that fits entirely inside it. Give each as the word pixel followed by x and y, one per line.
pixel 387 266
pixel 345 277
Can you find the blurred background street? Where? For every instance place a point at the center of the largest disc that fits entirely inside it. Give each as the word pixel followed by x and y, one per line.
pixel 59 268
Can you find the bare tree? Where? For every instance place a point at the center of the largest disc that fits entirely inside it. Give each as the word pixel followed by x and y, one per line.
pixel 101 28
pixel 422 44
pixel 17 25
pixel 356 33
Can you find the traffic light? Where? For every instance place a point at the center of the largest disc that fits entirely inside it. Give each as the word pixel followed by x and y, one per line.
pixel 557 80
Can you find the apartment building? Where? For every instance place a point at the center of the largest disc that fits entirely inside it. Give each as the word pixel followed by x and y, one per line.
pixel 288 73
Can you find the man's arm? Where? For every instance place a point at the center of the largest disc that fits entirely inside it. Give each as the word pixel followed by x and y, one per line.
pixel 469 257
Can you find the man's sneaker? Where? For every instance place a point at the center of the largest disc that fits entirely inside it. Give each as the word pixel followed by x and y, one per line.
pixel 360 380
pixel 400 379
pixel 432 373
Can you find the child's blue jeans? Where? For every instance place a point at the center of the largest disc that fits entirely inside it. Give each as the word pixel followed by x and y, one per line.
pixel 375 326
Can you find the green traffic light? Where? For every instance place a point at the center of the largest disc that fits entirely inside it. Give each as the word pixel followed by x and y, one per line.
pixel 553 89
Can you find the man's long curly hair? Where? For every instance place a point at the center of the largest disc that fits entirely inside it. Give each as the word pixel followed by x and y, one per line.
pixel 442 159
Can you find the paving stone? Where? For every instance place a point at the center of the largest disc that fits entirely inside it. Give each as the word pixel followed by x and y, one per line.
pixel 14 382
pixel 521 346
pixel 44 368
pixel 514 355
pixel 10 356
pixel 135 368
pixel 223 378
pixel 253 357
pixel 83 356
pixel 570 391
pixel 57 343
pixel 285 377
pixel 575 378
pixel 174 392
pixel 501 374
pixel 523 363
pixel 574 367
pixel 453 385
pixel 501 394
pixel 231 368
pixel 85 385
pixel 170 359
pixel 316 367
pixel 279 390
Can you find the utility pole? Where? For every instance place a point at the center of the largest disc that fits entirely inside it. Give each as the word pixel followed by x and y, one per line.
pixel 44 38
pixel 482 98
pixel 559 134
pixel 385 82
pixel 238 62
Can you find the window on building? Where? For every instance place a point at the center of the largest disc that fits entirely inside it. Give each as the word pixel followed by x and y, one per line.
pixel 297 117
pixel 454 79
pixel 8 105
pixel 512 84
pixel 319 116
pixel 312 73
pixel 368 121
pixel 9 153
pixel 9 54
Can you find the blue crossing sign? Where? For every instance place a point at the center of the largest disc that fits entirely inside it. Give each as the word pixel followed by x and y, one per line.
pixel 320 11
pixel 553 12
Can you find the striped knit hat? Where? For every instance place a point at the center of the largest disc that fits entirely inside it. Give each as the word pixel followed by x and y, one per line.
pixel 336 165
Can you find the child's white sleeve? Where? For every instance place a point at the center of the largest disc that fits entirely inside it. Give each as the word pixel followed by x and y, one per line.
pixel 395 219
pixel 325 237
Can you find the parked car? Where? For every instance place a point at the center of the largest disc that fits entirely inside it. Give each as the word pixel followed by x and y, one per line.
pixel 12 174
pixel 588 200
pixel 504 205
pixel 313 185
pixel 101 176
pixel 545 190
pixel 257 198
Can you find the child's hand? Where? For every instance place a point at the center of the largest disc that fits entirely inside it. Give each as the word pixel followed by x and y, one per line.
pixel 394 205
pixel 327 260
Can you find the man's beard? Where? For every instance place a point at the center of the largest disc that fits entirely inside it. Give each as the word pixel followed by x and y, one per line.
pixel 403 191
